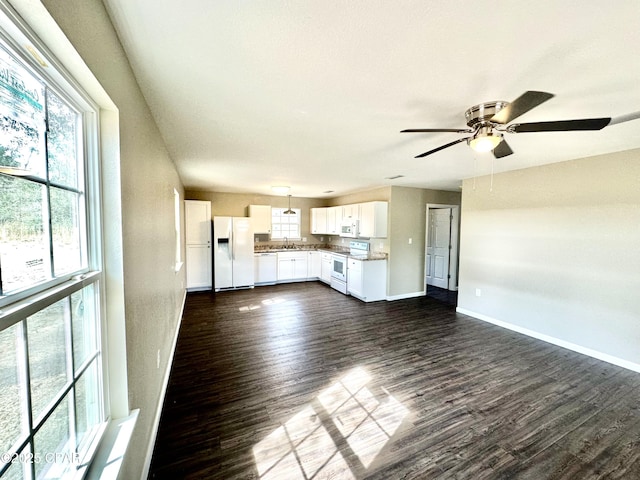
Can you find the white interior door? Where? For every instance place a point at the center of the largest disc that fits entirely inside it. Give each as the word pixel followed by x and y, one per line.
pixel 438 247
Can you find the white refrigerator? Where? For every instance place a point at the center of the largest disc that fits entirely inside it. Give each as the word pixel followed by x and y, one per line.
pixel 233 252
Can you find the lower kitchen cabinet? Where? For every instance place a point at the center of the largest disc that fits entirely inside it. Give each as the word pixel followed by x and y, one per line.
pixel 314 265
pixel 292 265
pixel 199 267
pixel 367 279
pixel 326 265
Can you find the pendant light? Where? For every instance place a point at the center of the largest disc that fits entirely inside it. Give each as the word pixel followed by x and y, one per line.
pixel 289 211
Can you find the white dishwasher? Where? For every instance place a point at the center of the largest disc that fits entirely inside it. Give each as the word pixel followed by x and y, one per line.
pixel 266 268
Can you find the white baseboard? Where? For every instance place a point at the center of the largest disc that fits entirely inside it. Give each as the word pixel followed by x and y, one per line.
pixel 165 384
pixel 605 357
pixel 390 298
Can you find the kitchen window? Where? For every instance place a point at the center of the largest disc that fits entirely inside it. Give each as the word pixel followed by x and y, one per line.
pixel 52 408
pixel 285 225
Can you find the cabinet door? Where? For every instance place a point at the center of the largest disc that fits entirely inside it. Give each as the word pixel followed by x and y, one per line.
pixel 325 268
pixel 300 267
pixel 319 220
pixel 197 216
pixel 334 220
pixel 261 218
pixel 373 219
pixel 354 277
pixel 285 269
pixel 351 211
pixel 314 265
pixel 198 263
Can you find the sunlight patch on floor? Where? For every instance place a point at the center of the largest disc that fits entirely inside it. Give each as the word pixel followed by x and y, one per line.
pixel 304 448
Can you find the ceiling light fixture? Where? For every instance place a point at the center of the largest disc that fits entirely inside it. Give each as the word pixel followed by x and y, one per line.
pixel 289 211
pixel 282 190
pixel 485 140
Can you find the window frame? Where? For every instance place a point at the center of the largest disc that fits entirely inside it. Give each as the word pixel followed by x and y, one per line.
pixel 17 307
pixel 277 212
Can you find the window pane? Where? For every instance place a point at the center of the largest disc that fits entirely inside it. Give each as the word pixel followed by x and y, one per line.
pixel 11 401
pixel 84 322
pixel 15 472
pixel 22 121
pixel 47 354
pixel 65 229
pixel 62 141
pixel 53 438
pixel 88 411
pixel 24 245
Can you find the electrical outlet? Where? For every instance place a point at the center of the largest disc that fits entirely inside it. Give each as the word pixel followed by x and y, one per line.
pixel 478 292
pixel 304 239
pixel 410 241
pixel 322 239
pixel 381 246
pixel 158 360
pixel 256 239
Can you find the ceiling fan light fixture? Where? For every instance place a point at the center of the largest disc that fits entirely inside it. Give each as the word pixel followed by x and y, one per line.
pixel 485 142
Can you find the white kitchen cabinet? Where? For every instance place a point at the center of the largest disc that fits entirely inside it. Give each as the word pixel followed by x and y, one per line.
pixel 367 279
pixel 198 259
pixel 314 265
pixel 319 221
pixel 266 268
pixel 326 264
pixel 351 212
pixel 373 219
pixel 292 266
pixel 198 265
pixel 260 218
pixel 334 220
pixel 197 219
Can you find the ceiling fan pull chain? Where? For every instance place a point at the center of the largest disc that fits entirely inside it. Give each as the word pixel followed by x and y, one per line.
pixel 491 186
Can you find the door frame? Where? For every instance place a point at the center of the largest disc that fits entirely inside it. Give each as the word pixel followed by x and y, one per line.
pixel 454 253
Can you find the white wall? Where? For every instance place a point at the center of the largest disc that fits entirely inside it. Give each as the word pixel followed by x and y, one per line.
pixel 555 251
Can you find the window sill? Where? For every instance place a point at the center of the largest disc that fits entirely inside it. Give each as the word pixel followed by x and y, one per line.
pixel 110 454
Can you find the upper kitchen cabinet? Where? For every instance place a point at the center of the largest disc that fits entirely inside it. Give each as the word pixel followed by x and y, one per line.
pixel 373 219
pixel 197 222
pixel 261 218
pixel 351 212
pixel 334 220
pixel 319 221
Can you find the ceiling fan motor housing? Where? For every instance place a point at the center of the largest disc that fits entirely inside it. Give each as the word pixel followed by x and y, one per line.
pixel 479 115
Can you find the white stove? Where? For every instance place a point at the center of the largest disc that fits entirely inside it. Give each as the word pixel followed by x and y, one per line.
pixel 357 249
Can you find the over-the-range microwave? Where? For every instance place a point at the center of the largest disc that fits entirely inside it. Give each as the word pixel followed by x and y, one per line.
pixel 349 228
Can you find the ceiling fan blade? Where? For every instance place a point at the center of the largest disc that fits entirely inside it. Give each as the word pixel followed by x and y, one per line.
pixel 502 150
pixel 432 130
pixel 442 147
pixel 521 105
pixel 561 125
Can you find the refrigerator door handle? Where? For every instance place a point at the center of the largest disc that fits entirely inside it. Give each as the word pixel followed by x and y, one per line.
pixel 233 245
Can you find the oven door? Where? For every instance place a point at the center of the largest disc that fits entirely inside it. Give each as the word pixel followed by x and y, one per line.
pixel 339 267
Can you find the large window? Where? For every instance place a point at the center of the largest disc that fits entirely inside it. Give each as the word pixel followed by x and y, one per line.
pixel 51 383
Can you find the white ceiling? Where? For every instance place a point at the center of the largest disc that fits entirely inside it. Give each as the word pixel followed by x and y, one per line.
pixel 313 94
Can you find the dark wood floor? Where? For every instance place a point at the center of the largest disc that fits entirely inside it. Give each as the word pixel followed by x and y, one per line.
pixel 300 382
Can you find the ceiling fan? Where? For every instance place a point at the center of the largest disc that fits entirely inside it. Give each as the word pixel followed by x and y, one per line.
pixel 487 122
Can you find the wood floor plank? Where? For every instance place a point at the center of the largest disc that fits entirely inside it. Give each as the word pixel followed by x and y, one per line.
pixel 299 381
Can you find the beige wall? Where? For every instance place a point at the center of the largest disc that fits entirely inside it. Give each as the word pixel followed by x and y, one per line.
pixel 407 220
pixel 555 250
pixel 153 291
